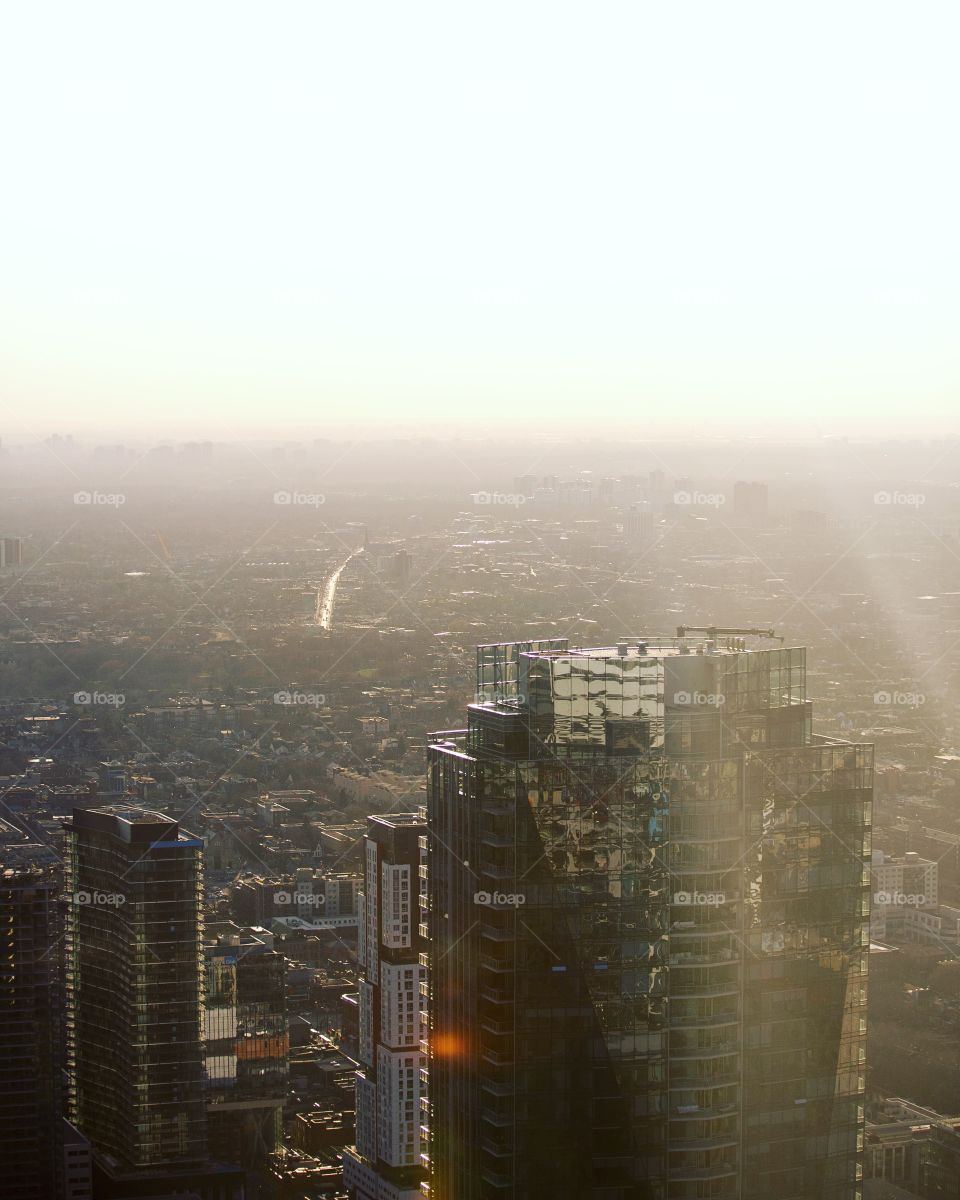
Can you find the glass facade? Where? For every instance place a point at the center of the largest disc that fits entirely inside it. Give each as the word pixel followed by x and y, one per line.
pixel 30 1033
pixel 246 1048
pixel 134 991
pixel 646 900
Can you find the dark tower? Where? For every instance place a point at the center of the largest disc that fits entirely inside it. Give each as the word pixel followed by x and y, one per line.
pixel 647 909
pixel 31 1064
pixel 134 990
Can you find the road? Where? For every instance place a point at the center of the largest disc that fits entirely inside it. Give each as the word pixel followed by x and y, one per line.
pixel 327 595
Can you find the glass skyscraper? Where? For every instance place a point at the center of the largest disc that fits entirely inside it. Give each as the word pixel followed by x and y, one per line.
pixel 647 909
pixel 246 1044
pixel 31 1150
pixel 134 988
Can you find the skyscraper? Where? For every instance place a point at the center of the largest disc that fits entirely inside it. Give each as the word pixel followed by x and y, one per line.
pixel 134 990
pixel 386 1163
pixel 11 553
pixel 647 908
pixel 31 1143
pixel 246 1044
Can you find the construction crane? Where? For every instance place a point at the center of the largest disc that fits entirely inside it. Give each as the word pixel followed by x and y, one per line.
pixel 713 631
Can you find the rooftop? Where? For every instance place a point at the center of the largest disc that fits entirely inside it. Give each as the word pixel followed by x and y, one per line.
pixel 131 824
pixel 656 646
pixel 396 820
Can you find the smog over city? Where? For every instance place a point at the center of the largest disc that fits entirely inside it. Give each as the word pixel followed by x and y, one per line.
pixel 479 602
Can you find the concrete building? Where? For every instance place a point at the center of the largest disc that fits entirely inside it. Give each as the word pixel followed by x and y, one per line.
pixel 936 926
pixel 914 1148
pixel 905 879
pixel 385 1165
pixel 905 893
pixel 310 895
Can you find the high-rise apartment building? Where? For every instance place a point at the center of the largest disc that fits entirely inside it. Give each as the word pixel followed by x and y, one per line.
pixel 647 908
pixel 134 990
pixel 386 1162
pixel 31 1063
pixel 905 898
pixel 904 880
pixel 246 1044
pixel 11 553
pixel 640 520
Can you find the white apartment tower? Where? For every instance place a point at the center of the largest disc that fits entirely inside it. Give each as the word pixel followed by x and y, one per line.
pixel 386 1162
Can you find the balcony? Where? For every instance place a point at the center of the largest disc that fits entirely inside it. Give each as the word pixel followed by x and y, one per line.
pixel 501 965
pixel 695 1174
pixel 697 990
pixel 493 870
pixel 497 1058
pixel 703 1114
pixel 705 840
pixel 500 1028
pixel 722 1051
pixel 495 934
pixel 496 995
pixel 496 1179
pixel 497 1119
pixel 495 1148
pixel 697 1022
pixel 499 808
pixel 497 1087
pixel 696 930
pixel 703 1083
pixel 709 1143
pixel 718 958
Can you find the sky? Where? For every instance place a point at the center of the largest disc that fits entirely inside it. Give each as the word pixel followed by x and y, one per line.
pixel 293 219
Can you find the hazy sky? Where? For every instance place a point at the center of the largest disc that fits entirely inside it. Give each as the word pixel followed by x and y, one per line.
pixel 296 217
